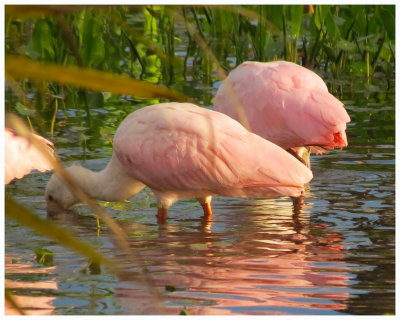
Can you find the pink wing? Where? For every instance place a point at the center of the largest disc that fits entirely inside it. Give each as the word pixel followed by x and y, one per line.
pixel 286 104
pixel 21 157
pixel 183 147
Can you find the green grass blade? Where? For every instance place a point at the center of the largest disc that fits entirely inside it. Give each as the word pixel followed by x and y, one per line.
pixel 22 68
pixel 296 14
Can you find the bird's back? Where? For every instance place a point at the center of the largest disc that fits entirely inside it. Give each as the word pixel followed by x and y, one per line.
pixel 284 103
pixel 182 147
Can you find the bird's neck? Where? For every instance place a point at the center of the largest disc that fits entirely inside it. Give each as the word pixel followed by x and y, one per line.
pixel 114 183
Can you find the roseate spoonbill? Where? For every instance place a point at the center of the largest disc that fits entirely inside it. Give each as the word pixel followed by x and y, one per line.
pixel 21 156
pixel 181 150
pixel 286 104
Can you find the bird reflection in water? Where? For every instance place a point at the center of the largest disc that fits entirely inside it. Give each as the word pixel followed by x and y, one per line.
pixel 42 282
pixel 259 257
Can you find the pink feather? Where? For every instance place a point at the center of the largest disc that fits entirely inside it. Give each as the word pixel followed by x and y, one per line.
pixel 179 147
pixel 286 104
pixel 21 157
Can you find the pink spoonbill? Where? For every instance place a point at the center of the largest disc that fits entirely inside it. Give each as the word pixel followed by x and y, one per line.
pixel 181 150
pixel 21 156
pixel 286 104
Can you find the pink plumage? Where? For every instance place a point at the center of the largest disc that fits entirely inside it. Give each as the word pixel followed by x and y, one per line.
pixel 286 104
pixel 21 157
pixel 180 150
pixel 184 150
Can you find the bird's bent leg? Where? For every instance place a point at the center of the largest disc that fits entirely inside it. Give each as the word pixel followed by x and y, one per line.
pixel 302 154
pixel 206 204
pixel 162 215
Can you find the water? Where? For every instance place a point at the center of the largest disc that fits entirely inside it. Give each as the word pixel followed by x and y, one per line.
pixel 256 257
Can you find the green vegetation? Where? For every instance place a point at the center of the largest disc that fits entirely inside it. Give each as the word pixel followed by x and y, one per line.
pixel 44 257
pixel 169 288
pixel 184 312
pixel 155 44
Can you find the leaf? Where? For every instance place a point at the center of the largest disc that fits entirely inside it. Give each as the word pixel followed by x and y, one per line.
pixel 296 14
pixel 331 26
pixel 275 15
pixel 170 288
pixel 92 43
pixel 24 110
pixel 320 13
pixel 358 68
pixel 45 257
pixel 184 312
pixel 41 39
pixel 22 68
pixel 106 133
pixel 329 52
pixel 49 229
pixel 371 88
pixel 98 51
pixel 28 51
pixel 95 99
pixel 360 20
pixel 339 21
pixel 345 45
pixel 371 47
pixel 388 21
pixel 78 129
pixel 385 53
pixel 94 267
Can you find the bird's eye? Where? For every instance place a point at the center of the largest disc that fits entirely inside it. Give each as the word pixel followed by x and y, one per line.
pixel 50 197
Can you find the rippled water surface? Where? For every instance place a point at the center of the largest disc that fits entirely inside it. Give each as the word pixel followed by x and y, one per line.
pixel 257 256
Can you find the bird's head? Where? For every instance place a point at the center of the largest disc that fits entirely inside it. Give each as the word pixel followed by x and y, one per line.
pixel 59 196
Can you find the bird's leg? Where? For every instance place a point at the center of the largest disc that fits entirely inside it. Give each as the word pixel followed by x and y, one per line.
pixel 162 215
pixel 207 210
pixel 206 204
pixel 298 204
pixel 302 154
